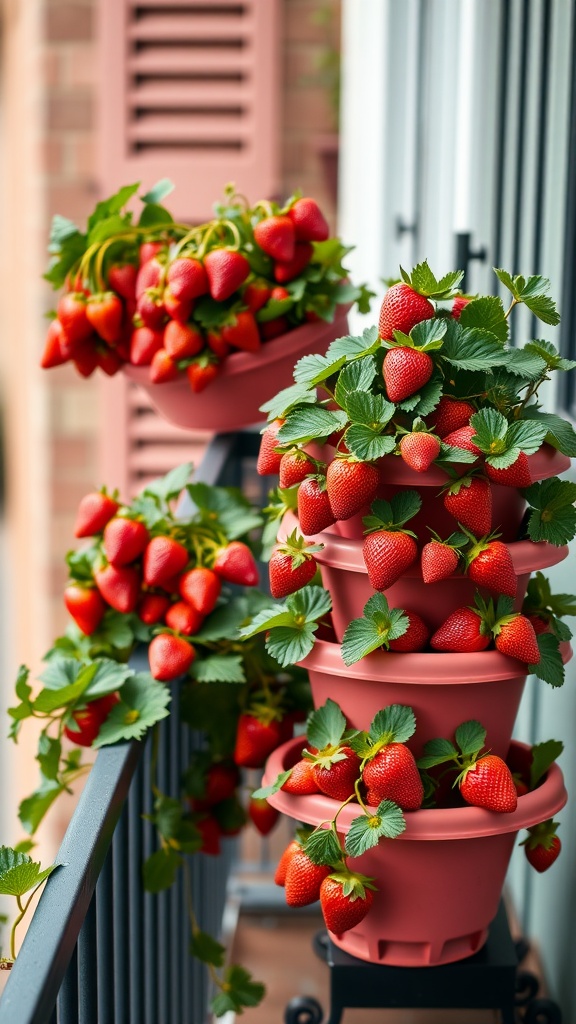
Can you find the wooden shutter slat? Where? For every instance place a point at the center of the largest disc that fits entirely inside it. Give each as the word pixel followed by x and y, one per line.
pixel 225 5
pixel 170 60
pixel 186 128
pixel 218 32
pixel 191 95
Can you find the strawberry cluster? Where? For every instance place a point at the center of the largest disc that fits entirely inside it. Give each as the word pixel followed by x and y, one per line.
pixel 377 770
pixel 179 299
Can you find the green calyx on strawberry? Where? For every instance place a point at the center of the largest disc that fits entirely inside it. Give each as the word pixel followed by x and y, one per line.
pixel 489 564
pixel 469 500
pixel 465 631
pixel 484 781
pixel 407 303
pixel 505 446
pixel 94 511
pixel 514 634
pixel 314 510
pixel 542 846
pixel 382 626
pixel 389 549
pixel 292 565
pixel 407 365
pixel 440 558
pixel 258 733
pixel 546 610
pixel 419 447
pixel 295 466
pixel 335 764
pixel 351 485
pixel 345 899
pixel 388 768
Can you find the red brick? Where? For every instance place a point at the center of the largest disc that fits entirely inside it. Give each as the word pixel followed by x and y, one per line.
pixel 304 21
pixel 81 66
pixel 69 110
pixel 52 69
pixel 67 22
pixel 52 160
pixel 308 109
pixel 83 156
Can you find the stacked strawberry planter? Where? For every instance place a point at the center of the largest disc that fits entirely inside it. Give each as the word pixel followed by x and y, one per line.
pixel 423 477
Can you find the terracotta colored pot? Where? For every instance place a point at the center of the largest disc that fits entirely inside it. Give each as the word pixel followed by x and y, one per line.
pixel 508 505
pixel 439 883
pixel 245 382
pixel 345 576
pixel 443 689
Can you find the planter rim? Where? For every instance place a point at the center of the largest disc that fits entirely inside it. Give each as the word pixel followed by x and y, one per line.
pixel 240 362
pixel 344 553
pixel 435 825
pixel 421 669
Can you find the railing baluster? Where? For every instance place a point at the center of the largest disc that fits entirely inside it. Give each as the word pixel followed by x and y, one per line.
pixel 105 940
pixel 120 921
pixel 174 787
pixel 164 952
pixel 87 976
pixel 135 897
pixel 68 995
pixel 150 901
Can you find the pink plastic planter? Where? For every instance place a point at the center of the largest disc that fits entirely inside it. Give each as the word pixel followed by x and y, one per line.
pixel 345 576
pixel 443 689
pixel 508 505
pixel 439 883
pixel 245 382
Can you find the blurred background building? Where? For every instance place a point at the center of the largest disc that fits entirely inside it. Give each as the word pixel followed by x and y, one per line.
pixel 457 126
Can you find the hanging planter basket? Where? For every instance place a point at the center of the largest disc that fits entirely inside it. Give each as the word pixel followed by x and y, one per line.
pixel 439 883
pixel 443 689
pixel 246 380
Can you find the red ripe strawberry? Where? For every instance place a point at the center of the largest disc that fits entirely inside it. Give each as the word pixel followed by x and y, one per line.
pixel 515 636
pixel 124 540
pixel 122 279
pixel 220 782
pixel 255 740
pixel 163 368
pixel 419 450
pixel 303 880
pixel 402 308
pixel 182 341
pixel 262 815
pixel 56 348
pixel 274 328
pixel 119 587
pixel 314 510
pixel 200 375
pixel 276 236
pixel 415 638
pixel 387 554
pixel 170 656
pixel 187 278
pixel 226 270
pixel 462 438
pixel 268 459
pixel 108 360
pixel 438 561
pixel 209 829
pixel 341 911
pixel 150 275
pixel 85 358
pixel 458 305
pixel 489 564
pixel 392 775
pixel 489 783
pixel 85 605
pixel 89 720
pixel 280 873
pixel 301 781
pixel 336 778
pixel 151 309
pixel 309 222
pixel 152 608
pixel 539 623
pixel 217 345
pixel 200 588
pixel 144 344
pixel 177 309
pixel 72 314
pixel 461 633
pixel 148 250
pixel 183 619
pixel 516 475
pixel 243 333
pixel 350 485
pixel 235 563
pixel 286 270
pixel 520 786
pixel 286 577
pixel 294 468
pixel 542 846
pixel 405 371
pixel 449 415
pixel 256 295
pixel 279 293
pixel 106 313
pixel 94 511
pixel 163 558
pixel 469 500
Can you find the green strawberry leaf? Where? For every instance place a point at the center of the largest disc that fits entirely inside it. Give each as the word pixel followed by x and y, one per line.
pixel 19 873
pixel 470 737
pixel 369 409
pixel 534 294
pixel 159 870
pixel 311 602
pixel 205 948
pixel 524 363
pixel 313 369
pixel 143 702
pixel 61 673
pixel 168 487
pixel 108 677
pixel 353 347
pixel 543 755
pixel 310 422
pixel 219 668
pixel 361 637
pixel 268 618
pixel 224 622
pixel 549 353
pixel 153 214
pixel 539 597
pixel 325 726
pixel 286 399
pixel 560 433
pixel 368 443
pixel 265 791
pixel 425 401
pixel 437 751
pixel 158 192
pixel 552 514
pixel 471 348
pixel 550 668
pixel 487 313
pixel 289 645
pixel 240 991
pixel 428 334
pixel 323 846
pixel 387 822
pixel 48 756
pixel 394 724
pixel 355 376
pixel 33 808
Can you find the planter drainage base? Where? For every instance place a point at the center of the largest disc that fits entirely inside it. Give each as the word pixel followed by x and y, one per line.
pixel 487 980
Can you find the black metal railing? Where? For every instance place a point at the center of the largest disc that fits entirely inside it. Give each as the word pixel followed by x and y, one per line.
pixel 100 950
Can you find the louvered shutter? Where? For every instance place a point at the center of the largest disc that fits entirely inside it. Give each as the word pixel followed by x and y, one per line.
pixel 188 90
